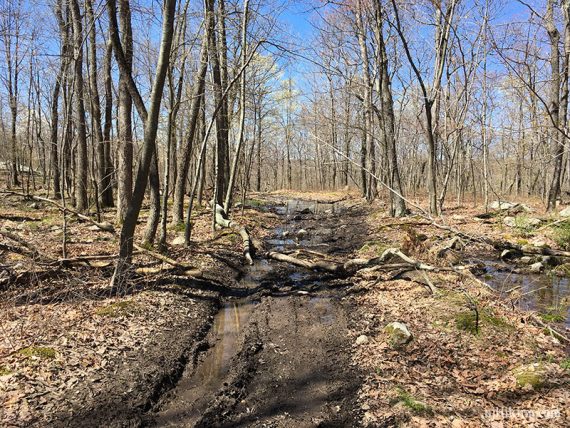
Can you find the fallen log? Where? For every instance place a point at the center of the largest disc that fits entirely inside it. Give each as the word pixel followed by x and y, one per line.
pixel 223 221
pixel 106 227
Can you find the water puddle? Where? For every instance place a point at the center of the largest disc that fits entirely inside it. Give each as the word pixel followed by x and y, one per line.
pixel 546 293
pixel 296 206
pixel 196 390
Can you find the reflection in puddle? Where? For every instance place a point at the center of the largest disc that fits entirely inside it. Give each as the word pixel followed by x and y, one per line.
pixel 228 323
pixel 293 206
pixel 196 390
pixel 544 293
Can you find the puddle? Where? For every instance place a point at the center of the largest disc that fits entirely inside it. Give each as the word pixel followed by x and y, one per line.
pixel 545 293
pixel 295 206
pixel 196 390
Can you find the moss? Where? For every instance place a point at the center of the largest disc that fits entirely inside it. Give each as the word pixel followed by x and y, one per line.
pixel 561 235
pixel 552 317
pixel 467 321
pixel 117 309
pixel 178 227
pixel 532 374
pixel 256 203
pixel 38 351
pixel 412 403
pixel 374 247
pixel 5 371
pixel 565 364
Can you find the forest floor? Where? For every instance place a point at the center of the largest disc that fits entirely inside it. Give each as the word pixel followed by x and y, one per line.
pixel 273 344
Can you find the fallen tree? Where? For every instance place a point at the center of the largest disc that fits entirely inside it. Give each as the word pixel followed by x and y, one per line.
pixel 224 222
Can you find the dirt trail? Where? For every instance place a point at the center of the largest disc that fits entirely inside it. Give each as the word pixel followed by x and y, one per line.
pixel 281 356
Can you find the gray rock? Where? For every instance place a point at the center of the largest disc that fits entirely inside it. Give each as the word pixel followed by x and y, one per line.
pixel 534 222
pixel 536 267
pixel 526 260
pixel 509 221
pixel 398 333
pixel 285 234
pixel 565 212
pixel 501 205
pixel 179 240
pixel 362 339
pixel 301 233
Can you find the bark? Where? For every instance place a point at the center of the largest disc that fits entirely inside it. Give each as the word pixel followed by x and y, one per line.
pixel 186 149
pixel 125 107
pixel 556 137
pixel 107 183
pixel 387 120
pixel 81 200
pixel 233 172
pixel 97 131
pixel 150 119
pixel 54 146
pixel 221 118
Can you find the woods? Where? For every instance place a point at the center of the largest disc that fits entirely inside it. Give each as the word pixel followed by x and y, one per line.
pixel 221 212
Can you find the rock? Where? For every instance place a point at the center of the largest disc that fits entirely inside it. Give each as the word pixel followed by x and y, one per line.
pixel 550 261
pixel 501 205
pixel 534 221
pixel 362 339
pixel 297 217
pixel 179 240
pixel 509 254
pixel 565 212
pixel 526 260
pixel 534 376
pixel 509 221
pixel 536 267
pixel 302 233
pixel 34 206
pixel 398 333
pixel 285 234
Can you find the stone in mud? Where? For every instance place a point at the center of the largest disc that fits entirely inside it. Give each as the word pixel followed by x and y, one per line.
pixel 526 260
pixel 302 233
pixel 362 339
pixel 536 267
pixel 179 240
pixel 398 333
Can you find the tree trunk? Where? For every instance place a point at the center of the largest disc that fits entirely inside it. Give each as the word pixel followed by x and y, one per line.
pixel 125 106
pixel 81 200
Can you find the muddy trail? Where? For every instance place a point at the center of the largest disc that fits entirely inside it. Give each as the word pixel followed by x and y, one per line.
pixel 278 351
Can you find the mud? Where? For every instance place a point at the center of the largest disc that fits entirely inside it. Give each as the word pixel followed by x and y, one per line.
pixel 279 355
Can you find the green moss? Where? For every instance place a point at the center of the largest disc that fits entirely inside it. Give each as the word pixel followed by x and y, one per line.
pixel 467 321
pixel 552 317
pixel 38 351
pixel 256 203
pixel 412 403
pixel 375 247
pixel 565 364
pixel 178 227
pixel 5 371
pixel 117 309
pixel 561 235
pixel 532 375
